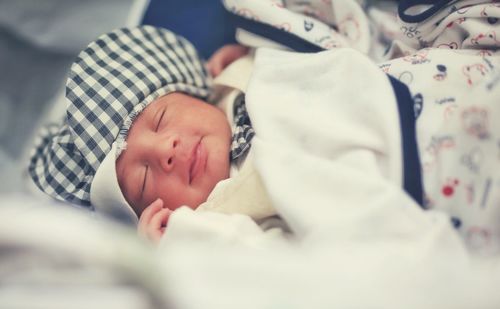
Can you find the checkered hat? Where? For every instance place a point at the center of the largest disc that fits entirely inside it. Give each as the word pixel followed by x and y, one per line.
pixel 109 84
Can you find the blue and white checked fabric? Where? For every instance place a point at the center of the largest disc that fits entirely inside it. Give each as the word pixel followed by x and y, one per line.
pixel 243 131
pixel 109 84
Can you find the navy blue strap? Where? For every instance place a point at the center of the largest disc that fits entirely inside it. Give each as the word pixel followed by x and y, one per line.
pixel 412 177
pixel 269 32
pixel 404 5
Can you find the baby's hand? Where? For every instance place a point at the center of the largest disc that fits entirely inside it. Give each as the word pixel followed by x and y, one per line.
pixel 153 221
pixel 224 56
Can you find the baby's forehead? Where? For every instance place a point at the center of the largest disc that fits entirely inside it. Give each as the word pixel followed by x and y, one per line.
pixel 151 108
pixel 154 109
pixel 177 101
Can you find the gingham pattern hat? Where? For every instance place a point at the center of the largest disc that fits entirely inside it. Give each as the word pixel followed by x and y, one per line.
pixel 109 84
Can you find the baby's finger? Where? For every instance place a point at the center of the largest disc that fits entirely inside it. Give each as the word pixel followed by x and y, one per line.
pixel 214 67
pixel 160 219
pixel 149 211
pixel 157 225
pixel 217 68
pixel 147 214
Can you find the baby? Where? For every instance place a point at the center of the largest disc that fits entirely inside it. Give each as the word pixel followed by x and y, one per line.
pixel 139 131
pixel 139 140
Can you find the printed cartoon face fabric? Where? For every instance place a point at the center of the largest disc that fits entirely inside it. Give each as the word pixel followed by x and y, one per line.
pixel 470 24
pixel 324 24
pixel 368 26
pixel 456 98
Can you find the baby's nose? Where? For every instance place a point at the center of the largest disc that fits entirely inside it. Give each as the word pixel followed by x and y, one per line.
pixel 167 154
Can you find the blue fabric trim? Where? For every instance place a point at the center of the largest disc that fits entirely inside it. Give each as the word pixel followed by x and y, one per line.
pixel 412 177
pixel 288 39
pixel 435 7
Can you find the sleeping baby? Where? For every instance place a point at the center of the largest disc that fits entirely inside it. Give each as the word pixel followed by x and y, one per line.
pixel 139 132
pixel 139 140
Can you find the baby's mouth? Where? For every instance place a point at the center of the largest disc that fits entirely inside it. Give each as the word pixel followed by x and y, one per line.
pixel 198 160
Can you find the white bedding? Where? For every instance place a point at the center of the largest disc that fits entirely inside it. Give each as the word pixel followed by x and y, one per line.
pixel 70 260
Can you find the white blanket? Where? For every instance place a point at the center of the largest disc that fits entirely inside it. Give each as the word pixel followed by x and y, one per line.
pixel 328 148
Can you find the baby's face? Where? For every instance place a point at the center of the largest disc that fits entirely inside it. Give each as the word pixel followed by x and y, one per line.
pixel 177 150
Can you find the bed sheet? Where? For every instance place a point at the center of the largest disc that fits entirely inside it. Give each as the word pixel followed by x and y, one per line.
pixel 54 256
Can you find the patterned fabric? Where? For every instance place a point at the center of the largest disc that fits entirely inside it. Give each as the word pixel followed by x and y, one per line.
pixel 243 131
pixel 469 24
pixel 109 84
pixel 456 95
pixel 304 26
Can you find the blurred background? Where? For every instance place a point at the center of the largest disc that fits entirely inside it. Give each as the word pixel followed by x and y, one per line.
pixel 39 40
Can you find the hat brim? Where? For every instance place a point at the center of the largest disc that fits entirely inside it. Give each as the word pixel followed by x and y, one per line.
pixel 105 193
